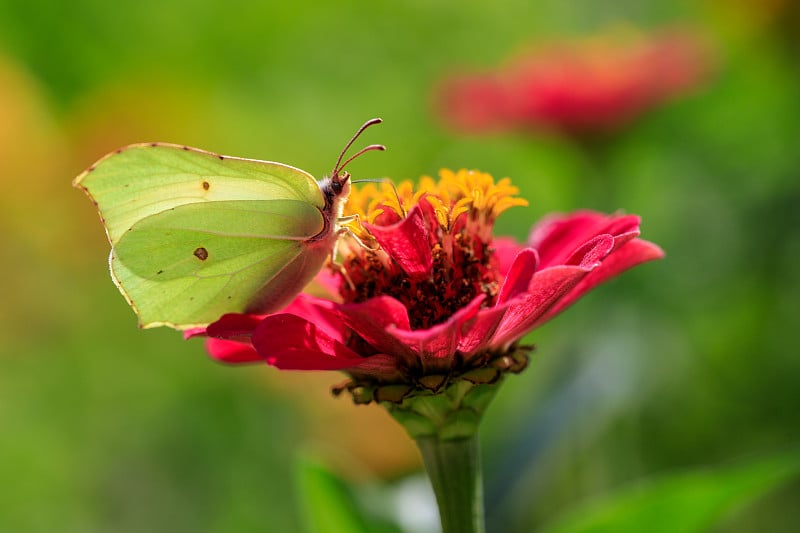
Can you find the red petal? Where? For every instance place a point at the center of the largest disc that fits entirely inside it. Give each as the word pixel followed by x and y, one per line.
pixel 519 275
pixel 480 332
pixel 290 342
pixel 632 253
pixel 194 332
pixel 592 253
pixel 546 288
pixel 238 326
pixel 372 320
pixel 233 326
pixel 622 238
pixel 436 346
pixel 320 312
pixel 505 251
pixel 232 352
pixel 407 242
pixel 383 311
pixel 557 237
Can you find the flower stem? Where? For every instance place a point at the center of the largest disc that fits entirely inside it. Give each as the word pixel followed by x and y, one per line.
pixel 454 469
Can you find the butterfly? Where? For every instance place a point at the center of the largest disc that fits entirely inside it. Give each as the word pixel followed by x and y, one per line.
pixel 195 235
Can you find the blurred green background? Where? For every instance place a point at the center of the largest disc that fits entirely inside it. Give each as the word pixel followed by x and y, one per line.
pixel 684 363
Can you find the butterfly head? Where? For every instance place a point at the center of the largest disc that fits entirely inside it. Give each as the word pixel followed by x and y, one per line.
pixel 335 188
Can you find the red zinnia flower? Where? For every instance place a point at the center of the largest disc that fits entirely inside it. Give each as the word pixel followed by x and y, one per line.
pixel 577 87
pixel 428 298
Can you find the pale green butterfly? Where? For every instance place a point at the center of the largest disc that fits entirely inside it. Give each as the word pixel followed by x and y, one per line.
pixel 195 235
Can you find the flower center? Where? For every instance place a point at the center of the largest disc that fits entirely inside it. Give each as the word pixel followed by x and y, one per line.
pixel 457 214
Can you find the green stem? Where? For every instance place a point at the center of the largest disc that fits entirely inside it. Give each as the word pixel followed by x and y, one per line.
pixel 454 469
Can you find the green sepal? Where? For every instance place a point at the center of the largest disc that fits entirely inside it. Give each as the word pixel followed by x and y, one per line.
pixel 454 412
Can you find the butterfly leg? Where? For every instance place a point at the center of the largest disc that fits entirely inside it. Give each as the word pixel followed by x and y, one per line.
pixel 342 230
pixel 332 262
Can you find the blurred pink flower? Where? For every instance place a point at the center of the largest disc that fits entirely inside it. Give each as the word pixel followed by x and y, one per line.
pixel 577 87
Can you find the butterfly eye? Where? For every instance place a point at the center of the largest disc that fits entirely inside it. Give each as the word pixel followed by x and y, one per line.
pixel 338 181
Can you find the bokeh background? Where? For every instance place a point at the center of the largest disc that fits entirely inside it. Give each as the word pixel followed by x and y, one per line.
pixel 685 363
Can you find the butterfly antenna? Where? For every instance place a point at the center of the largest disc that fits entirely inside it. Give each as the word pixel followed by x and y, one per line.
pixel 339 166
pixel 369 148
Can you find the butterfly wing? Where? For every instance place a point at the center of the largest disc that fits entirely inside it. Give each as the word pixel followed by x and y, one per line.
pixel 144 179
pixel 195 235
pixel 190 264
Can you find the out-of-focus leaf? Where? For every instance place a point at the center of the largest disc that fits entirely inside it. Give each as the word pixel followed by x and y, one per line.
pixel 689 502
pixel 328 504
